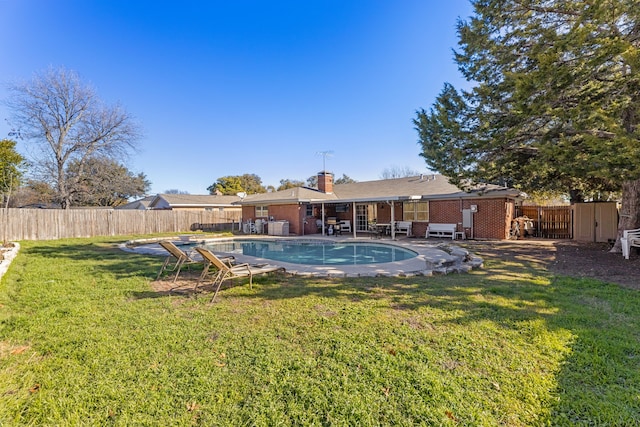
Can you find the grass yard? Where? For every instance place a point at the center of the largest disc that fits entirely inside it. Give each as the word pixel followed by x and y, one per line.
pixel 85 341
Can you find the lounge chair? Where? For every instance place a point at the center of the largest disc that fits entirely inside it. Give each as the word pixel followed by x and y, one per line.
pixel 228 271
pixel 181 257
pixel 210 267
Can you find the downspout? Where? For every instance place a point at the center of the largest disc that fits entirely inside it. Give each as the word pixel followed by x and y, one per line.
pixel 323 218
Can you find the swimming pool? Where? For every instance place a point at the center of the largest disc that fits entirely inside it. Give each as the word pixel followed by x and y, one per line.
pixel 314 252
pixel 422 259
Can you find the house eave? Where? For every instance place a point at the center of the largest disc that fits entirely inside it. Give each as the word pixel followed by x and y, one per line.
pixel 189 205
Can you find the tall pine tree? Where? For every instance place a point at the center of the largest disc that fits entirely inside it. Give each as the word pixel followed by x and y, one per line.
pixel 554 104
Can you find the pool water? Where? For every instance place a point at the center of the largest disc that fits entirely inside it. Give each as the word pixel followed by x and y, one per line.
pixel 316 252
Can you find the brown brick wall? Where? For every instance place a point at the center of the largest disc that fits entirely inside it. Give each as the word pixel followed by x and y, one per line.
pixel 446 211
pixel 291 213
pixel 491 221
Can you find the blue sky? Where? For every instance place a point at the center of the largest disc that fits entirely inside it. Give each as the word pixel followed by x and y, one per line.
pixel 233 87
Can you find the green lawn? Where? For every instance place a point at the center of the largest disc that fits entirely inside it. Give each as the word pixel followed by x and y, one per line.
pixel 85 341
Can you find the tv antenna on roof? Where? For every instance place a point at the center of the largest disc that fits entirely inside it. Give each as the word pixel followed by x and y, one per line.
pixel 324 154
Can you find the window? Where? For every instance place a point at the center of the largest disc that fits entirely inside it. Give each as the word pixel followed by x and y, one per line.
pixel 309 210
pixel 415 211
pixel 262 211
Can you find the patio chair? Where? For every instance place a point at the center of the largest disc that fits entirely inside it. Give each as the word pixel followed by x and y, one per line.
pixel 228 271
pixel 345 226
pixel 181 257
pixel 374 230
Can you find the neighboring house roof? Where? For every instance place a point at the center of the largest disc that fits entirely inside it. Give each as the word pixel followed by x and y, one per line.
pixel 140 204
pixel 169 201
pixel 424 187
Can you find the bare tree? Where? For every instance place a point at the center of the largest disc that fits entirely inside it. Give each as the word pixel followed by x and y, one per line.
pixel 65 121
pixel 398 172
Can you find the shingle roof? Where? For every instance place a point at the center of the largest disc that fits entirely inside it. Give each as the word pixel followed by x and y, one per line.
pixel 426 187
pixel 138 204
pixel 291 195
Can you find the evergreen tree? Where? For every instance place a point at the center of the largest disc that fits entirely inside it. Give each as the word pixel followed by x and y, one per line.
pixel 554 103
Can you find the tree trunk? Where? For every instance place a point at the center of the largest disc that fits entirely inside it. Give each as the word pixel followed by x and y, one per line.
pixel 630 210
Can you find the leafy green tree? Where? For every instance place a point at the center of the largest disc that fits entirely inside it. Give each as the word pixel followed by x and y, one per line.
pixel 64 121
pixel 11 169
pixel 285 184
pixel 554 103
pixel 12 166
pixel 101 181
pixel 231 185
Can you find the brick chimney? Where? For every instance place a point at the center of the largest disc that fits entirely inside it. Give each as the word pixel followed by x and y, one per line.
pixel 325 182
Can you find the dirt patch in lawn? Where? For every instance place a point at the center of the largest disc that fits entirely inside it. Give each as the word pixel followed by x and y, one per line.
pixel 566 257
pixel 186 284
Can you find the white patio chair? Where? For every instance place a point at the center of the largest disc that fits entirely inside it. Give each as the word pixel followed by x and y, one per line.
pixel 630 238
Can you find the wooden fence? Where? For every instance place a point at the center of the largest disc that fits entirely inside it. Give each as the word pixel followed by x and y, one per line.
pixel 48 224
pixel 550 222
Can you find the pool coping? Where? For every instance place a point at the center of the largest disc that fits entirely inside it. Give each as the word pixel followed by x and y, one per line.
pixel 433 257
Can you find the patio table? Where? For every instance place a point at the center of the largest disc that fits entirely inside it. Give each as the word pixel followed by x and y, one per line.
pixel 384 228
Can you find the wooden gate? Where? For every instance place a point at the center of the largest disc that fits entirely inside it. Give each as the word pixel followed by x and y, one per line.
pixel 550 222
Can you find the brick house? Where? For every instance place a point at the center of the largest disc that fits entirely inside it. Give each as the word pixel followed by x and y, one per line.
pixel 486 212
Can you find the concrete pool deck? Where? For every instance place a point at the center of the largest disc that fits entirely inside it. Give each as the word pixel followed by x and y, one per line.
pixel 434 256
